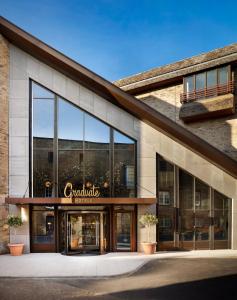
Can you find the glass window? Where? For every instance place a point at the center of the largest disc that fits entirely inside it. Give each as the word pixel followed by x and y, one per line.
pixel 40 92
pixel 200 81
pixel 189 84
pixel 187 225
pixel 43 167
pixel 185 190
pixel 124 166
pixel 211 78
pixel 70 126
pixel 221 201
pixel 97 134
pixel 70 169
pixel 97 171
pixel 79 149
pixel 166 182
pixel 43 118
pixel 202 195
pixel 223 75
pixel 43 133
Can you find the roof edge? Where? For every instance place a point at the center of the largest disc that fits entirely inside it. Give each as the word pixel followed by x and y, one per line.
pixel 177 69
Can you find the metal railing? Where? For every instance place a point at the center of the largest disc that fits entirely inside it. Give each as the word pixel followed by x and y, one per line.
pixel 213 91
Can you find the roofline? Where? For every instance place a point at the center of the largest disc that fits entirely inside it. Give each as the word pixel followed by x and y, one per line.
pixel 174 72
pixel 112 93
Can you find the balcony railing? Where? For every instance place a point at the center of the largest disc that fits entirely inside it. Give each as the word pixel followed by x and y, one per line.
pixel 213 91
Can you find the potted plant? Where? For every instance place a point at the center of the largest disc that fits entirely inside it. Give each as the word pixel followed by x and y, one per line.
pixel 148 220
pixel 14 222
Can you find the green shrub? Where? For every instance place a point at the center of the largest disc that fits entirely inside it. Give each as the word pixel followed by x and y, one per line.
pixel 148 220
pixel 14 222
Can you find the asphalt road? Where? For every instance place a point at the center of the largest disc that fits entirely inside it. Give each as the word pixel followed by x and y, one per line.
pixel 166 279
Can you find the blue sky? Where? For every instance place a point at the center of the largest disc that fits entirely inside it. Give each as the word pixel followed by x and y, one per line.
pixel 120 38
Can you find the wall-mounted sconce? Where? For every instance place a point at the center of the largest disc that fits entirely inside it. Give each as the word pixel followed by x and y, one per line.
pixel 24 215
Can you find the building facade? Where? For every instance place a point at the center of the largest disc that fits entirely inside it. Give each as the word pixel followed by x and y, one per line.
pixel 82 159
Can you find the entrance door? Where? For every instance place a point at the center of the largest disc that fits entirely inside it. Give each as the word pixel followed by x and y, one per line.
pixel 42 229
pixel 85 232
pixel 124 230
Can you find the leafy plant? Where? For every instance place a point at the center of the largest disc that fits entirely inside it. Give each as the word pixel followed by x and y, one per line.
pixel 14 222
pixel 148 220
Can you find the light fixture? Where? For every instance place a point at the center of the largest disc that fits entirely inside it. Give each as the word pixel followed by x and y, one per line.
pixel 24 215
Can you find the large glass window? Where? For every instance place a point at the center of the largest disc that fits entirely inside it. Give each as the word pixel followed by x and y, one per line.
pixel 69 145
pixel 207 84
pixel 124 165
pixel 166 200
pixel 43 141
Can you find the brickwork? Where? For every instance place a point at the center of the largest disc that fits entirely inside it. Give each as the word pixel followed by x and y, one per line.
pixel 220 132
pixel 4 82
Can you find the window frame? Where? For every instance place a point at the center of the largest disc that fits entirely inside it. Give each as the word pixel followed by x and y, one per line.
pixel 229 78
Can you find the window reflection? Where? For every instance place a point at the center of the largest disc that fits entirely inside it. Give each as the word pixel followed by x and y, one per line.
pixel 166 183
pixel 43 133
pixel 97 171
pixel 202 198
pixel 70 125
pixel 124 166
pixel 97 135
pixel 40 92
pixel 70 169
pixel 211 78
pixel 189 84
pixel 43 118
pixel 79 149
pixel 200 81
pixel 223 75
pixel 185 190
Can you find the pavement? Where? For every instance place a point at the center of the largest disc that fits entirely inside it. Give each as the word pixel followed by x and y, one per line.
pixel 202 275
pixel 51 265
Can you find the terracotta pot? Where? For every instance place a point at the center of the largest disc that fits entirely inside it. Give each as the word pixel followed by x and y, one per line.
pixel 149 248
pixel 74 243
pixel 16 249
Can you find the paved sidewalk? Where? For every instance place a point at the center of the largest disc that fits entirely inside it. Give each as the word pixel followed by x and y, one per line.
pixel 111 264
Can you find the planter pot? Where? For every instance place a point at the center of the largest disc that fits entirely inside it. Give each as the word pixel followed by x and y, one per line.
pixel 149 248
pixel 74 243
pixel 16 249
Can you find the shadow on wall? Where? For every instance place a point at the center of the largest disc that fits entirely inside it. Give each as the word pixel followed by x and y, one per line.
pixel 220 132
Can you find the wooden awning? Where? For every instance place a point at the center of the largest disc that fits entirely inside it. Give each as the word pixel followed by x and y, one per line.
pixel 83 201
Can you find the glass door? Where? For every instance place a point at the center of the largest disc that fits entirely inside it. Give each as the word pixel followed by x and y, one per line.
pixel 42 229
pixel 84 232
pixel 222 221
pixel 202 215
pixel 124 228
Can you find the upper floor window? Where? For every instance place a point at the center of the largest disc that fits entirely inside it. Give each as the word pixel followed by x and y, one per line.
pixel 207 84
pixel 70 145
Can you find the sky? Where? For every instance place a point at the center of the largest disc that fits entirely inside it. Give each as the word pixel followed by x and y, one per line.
pixel 119 38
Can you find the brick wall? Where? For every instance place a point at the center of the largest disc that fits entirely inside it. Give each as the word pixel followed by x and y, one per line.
pixel 4 81
pixel 220 132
